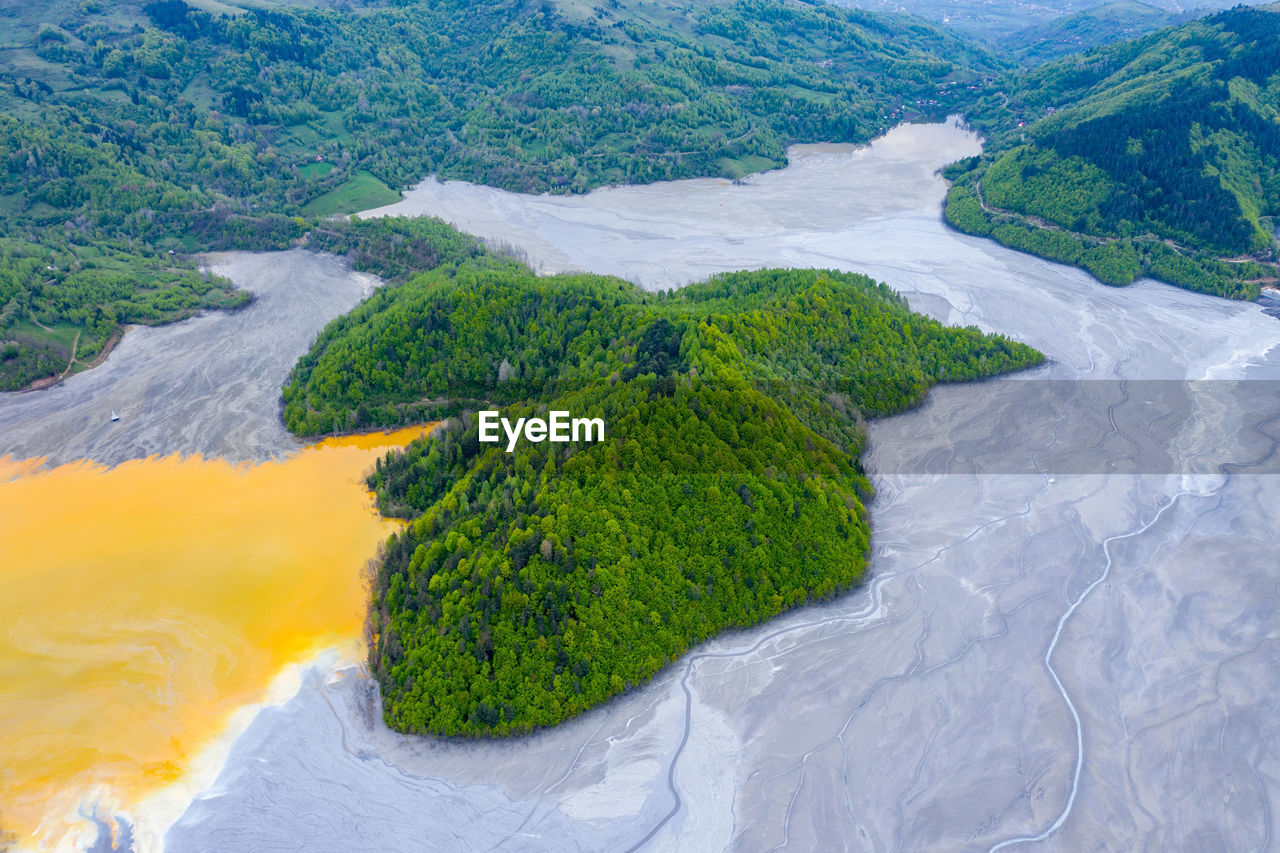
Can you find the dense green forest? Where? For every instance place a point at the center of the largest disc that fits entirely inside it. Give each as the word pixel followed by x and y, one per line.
pixel 133 135
pixel 136 134
pixel 1157 157
pixel 532 585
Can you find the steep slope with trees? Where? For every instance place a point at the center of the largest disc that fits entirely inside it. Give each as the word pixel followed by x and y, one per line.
pixel 1159 157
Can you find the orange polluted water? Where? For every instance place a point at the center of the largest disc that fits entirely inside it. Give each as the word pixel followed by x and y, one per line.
pixel 141 605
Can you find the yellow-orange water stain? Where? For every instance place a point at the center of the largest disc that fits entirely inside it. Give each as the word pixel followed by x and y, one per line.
pixel 141 605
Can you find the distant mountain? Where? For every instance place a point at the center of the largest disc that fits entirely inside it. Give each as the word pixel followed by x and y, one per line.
pixel 1021 23
pixel 1117 21
pixel 991 20
pixel 1158 157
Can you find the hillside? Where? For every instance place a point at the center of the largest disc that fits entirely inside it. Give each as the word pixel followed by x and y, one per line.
pixel 136 134
pixel 1159 157
pixel 979 19
pixel 1022 23
pixel 1120 20
pixel 534 584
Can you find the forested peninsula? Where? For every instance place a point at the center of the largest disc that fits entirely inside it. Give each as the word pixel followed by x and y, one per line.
pixel 532 585
pixel 1158 157
pixel 133 135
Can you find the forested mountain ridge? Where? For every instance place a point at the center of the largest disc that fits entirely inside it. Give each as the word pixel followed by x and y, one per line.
pixel 1157 157
pixel 534 584
pixel 1107 23
pixel 1019 25
pixel 135 134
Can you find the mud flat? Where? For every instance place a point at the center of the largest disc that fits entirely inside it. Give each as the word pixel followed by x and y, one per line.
pixel 208 385
pixel 1042 660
